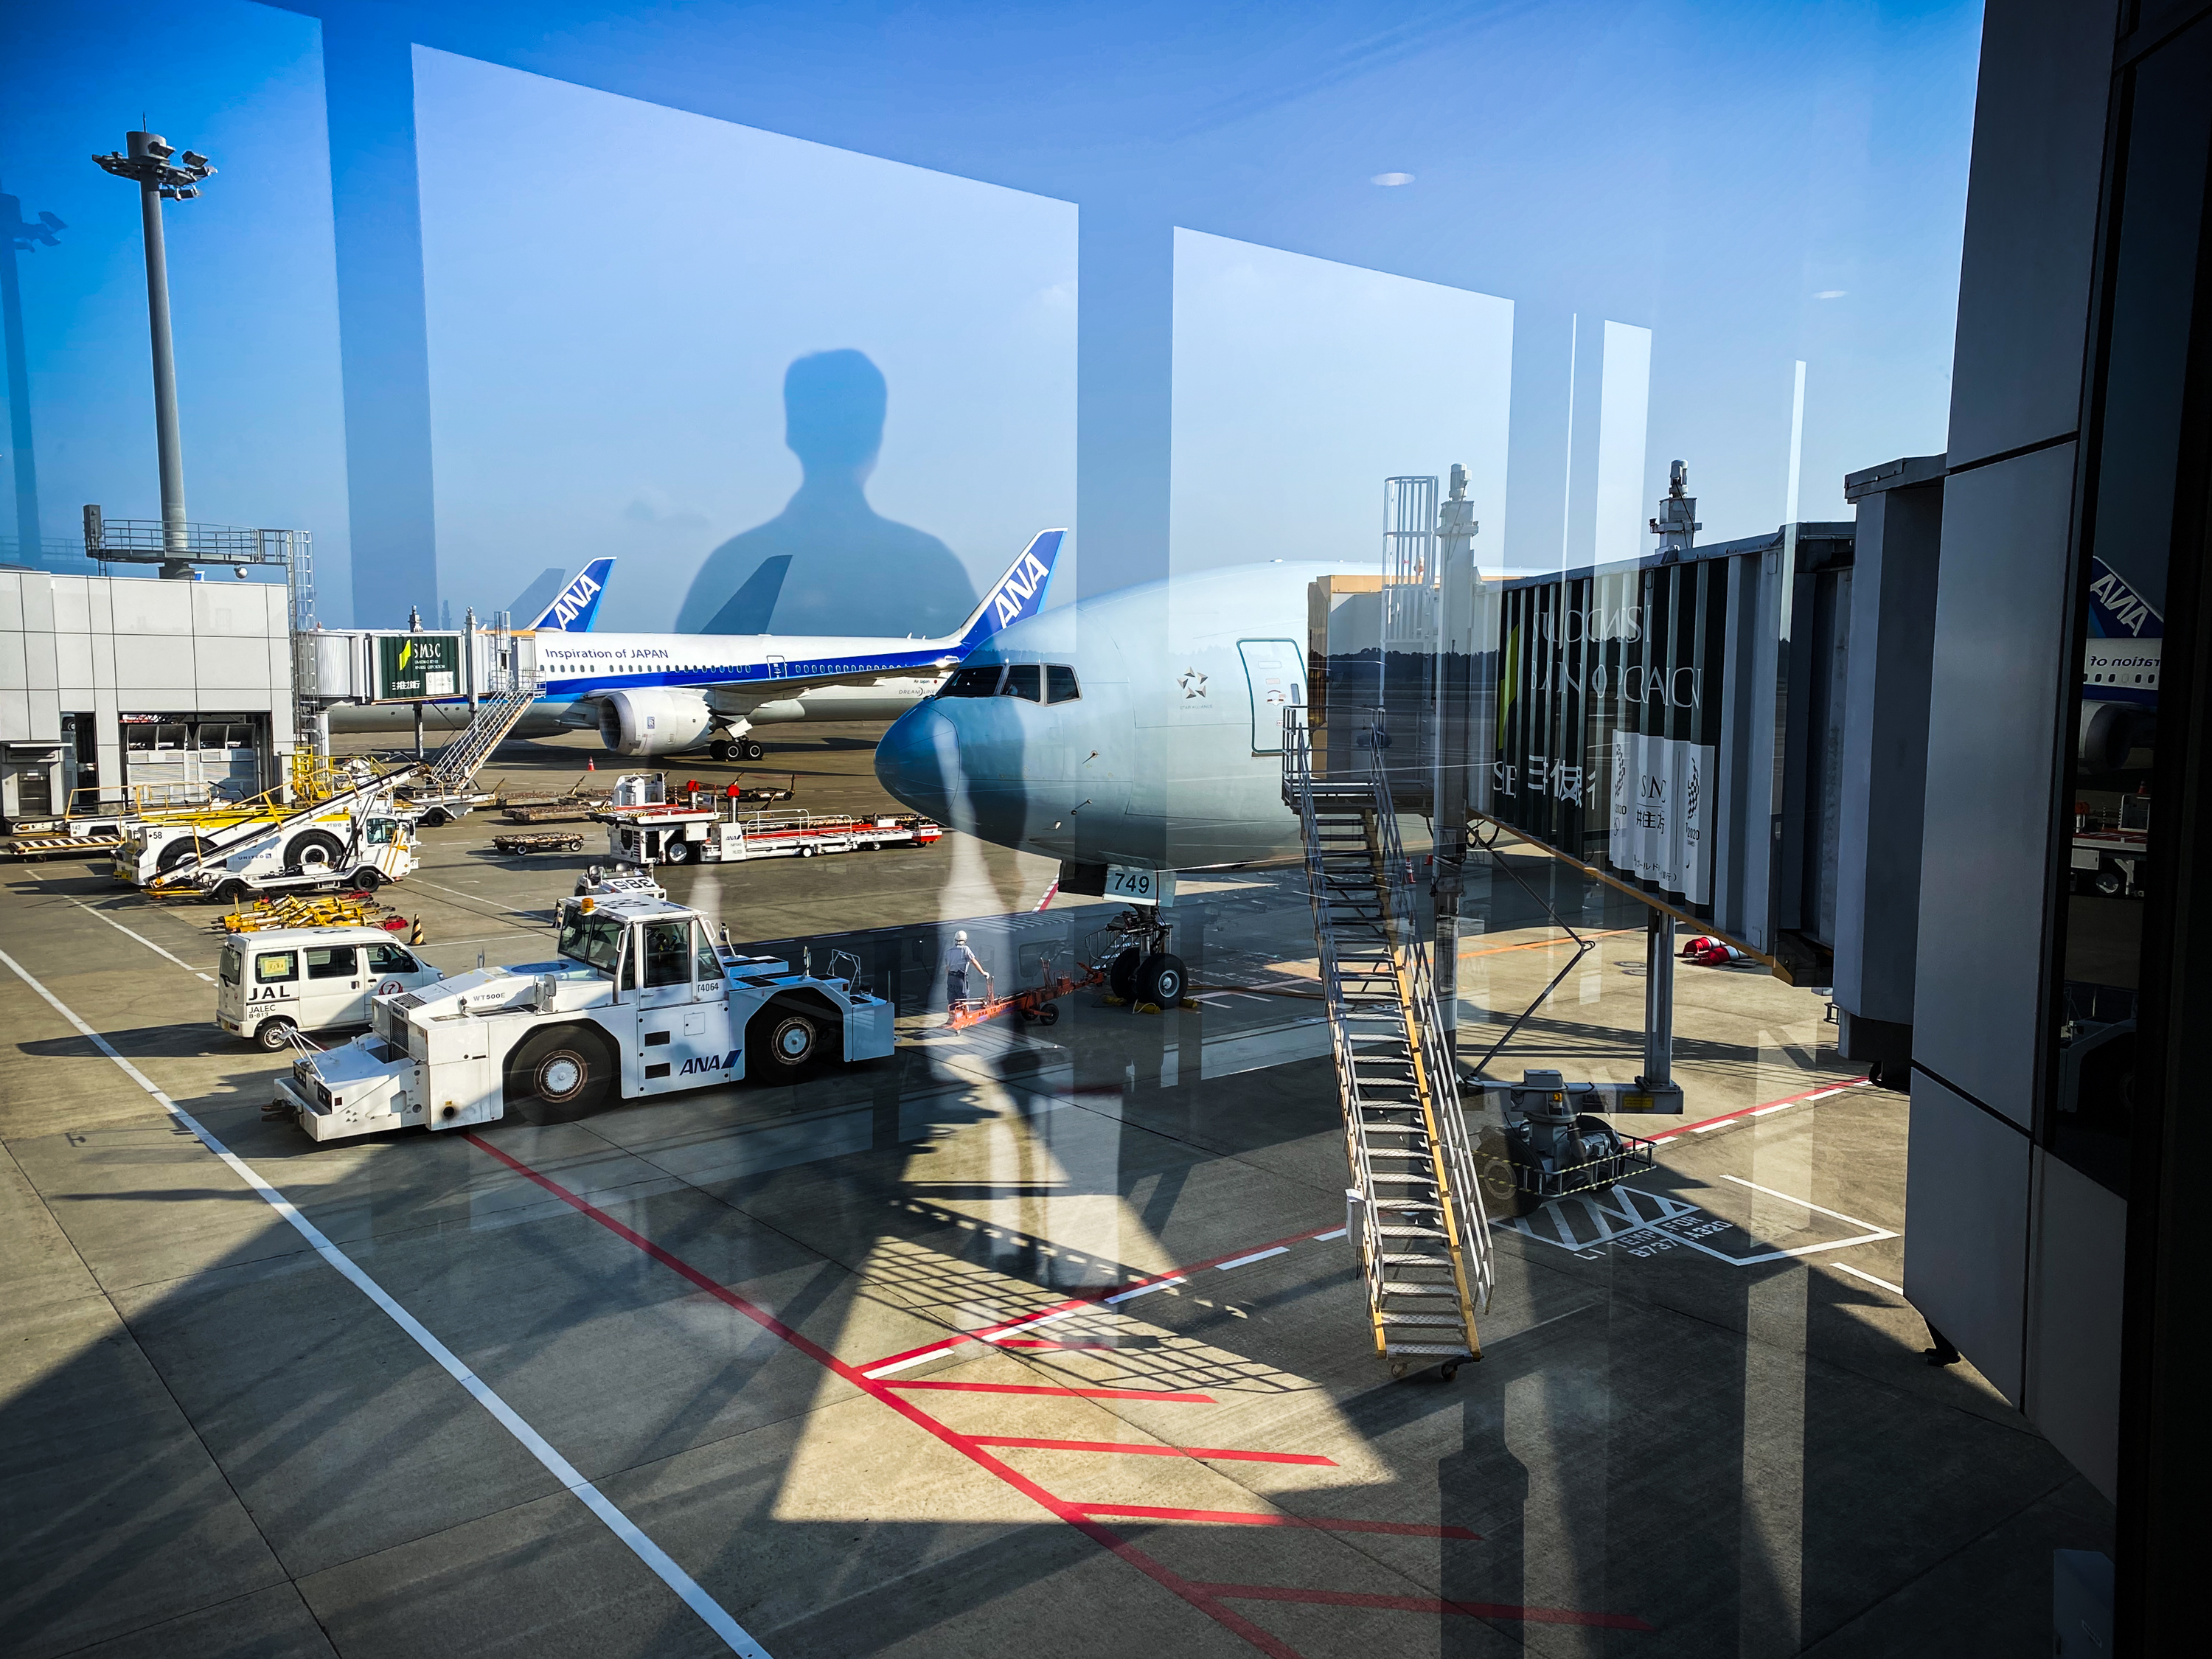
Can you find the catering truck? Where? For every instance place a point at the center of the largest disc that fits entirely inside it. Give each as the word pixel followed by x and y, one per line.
pixel 641 999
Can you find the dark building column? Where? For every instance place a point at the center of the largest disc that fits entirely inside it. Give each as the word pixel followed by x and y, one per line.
pixel 368 81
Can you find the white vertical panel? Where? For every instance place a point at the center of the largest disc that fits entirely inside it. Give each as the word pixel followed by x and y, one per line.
pixel 1623 408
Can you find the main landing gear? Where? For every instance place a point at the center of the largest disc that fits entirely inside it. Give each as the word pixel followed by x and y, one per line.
pixel 1140 968
pixel 729 749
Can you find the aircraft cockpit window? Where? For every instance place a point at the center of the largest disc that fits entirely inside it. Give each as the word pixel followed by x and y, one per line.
pixel 1023 679
pixel 972 682
pixel 1060 683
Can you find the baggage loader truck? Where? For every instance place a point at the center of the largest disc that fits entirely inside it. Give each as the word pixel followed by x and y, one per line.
pixel 641 1001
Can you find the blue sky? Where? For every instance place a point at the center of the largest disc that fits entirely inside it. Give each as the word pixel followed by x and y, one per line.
pixel 1755 185
pixel 250 265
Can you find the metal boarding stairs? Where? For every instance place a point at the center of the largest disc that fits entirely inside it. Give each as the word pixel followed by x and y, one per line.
pixel 459 760
pixel 1423 1242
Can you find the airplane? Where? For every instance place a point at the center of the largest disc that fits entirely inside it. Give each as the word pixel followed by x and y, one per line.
pixel 571 611
pixel 1141 728
pixel 664 693
pixel 2119 672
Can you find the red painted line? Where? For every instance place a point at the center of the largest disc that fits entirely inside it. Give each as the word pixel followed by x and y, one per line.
pixel 1103 1345
pixel 1219 1455
pixel 1248 1519
pixel 1426 1604
pixel 1034 1387
pixel 1087 1298
pixel 1746 1111
pixel 1104 1537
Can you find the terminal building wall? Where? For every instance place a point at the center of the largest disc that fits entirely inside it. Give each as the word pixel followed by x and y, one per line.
pixel 117 681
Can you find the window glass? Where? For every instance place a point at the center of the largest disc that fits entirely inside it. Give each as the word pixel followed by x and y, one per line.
pixel 276 967
pixel 332 962
pixel 593 940
pixel 1024 680
pixel 390 959
pixel 138 739
pixel 980 682
pixel 230 965
pixel 1060 683
pixel 667 953
pixel 710 964
pixel 381 831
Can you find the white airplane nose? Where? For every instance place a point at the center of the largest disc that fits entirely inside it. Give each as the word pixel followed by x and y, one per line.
pixel 910 762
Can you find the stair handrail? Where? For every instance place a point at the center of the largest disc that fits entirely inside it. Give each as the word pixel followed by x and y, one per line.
pixel 1436 1060
pixel 1297 792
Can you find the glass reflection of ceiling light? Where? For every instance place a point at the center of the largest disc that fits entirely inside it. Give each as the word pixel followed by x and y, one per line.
pixel 1832 294
pixel 1388 179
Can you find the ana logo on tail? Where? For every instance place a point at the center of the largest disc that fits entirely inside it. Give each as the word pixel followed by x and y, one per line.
pixel 574 605
pixel 1020 592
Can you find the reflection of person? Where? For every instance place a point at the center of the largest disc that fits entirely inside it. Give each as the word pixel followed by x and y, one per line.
pixel 827 564
pixel 958 959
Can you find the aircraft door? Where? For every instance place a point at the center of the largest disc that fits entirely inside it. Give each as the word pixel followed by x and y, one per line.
pixel 1275 677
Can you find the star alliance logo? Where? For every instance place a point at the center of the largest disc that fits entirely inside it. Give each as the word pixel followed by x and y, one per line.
pixel 1193 683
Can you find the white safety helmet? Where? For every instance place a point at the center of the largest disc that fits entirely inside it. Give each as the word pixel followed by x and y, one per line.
pixel 960 938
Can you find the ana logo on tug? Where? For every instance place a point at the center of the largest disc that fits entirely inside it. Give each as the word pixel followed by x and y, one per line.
pixel 710 1063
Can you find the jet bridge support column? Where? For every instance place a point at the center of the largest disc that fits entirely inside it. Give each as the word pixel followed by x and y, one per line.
pixel 1455 584
pixel 1658 1001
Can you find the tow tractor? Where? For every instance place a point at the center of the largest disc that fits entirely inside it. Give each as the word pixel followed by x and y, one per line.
pixel 641 999
pixel 643 824
pixel 1547 1143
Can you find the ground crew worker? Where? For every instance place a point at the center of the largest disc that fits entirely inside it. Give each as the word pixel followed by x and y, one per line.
pixel 958 961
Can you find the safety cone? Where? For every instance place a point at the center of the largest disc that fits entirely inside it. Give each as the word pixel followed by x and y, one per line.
pixel 591 764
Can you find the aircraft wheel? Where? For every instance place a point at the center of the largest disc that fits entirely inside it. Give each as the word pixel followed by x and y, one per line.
pixel 275 1035
pixel 751 750
pixel 1121 975
pixel 722 748
pixel 568 1070
pixel 1160 980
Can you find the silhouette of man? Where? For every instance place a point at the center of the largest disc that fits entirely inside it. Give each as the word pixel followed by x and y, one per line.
pixel 827 564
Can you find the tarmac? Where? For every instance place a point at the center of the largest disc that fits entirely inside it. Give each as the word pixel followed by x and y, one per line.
pixel 1031 1338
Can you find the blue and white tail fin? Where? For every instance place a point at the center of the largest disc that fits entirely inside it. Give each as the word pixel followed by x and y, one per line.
pixel 574 605
pixel 1020 592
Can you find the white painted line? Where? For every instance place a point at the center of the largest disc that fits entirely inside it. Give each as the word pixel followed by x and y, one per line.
pixel 1894 1290
pixel 140 937
pixel 1808 1204
pixel 1247 1261
pixel 711 1612
pixel 1778 1106
pixel 1323 1238
pixel 1825 1093
pixel 1144 1290
pixel 1707 1129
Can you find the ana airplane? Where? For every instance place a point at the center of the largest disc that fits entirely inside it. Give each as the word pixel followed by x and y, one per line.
pixel 663 693
pixel 1141 728
pixel 571 612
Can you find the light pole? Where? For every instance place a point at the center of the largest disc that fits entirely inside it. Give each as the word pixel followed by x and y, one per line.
pixel 21 235
pixel 147 162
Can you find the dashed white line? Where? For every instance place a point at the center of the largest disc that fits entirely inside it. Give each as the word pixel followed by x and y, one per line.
pixel 1247 1261
pixel 140 937
pixel 1894 1290
pixel 710 1612
pixel 1146 1289
pixel 1778 1106
pixel 1335 1232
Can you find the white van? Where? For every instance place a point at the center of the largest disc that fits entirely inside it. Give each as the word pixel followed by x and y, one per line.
pixel 309 979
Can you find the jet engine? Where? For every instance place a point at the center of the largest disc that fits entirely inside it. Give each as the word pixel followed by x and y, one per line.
pixel 653 722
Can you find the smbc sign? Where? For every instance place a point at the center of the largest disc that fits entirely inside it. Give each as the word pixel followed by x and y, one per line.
pixel 412 665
